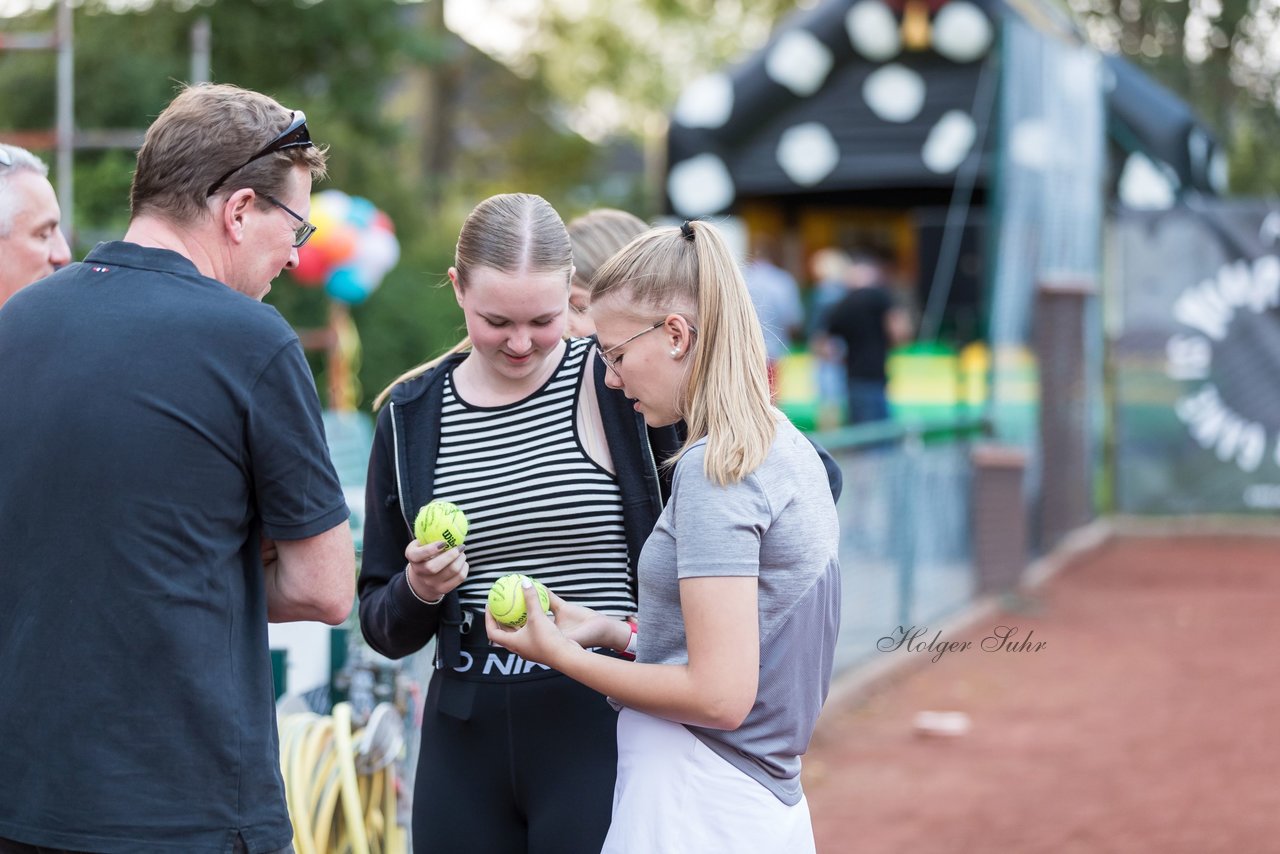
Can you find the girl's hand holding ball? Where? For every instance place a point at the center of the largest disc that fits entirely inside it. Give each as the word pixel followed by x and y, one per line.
pixel 437 562
pixel 533 635
pixel 507 601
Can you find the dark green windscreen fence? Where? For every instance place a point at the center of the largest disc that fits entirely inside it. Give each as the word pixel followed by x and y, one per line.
pixel 1195 359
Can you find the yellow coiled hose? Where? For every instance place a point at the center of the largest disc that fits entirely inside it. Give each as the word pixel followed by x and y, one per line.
pixel 318 758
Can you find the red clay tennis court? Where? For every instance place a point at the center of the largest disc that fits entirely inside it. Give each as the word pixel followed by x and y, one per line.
pixel 1146 723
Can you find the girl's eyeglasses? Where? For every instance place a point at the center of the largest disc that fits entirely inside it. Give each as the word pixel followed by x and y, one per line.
pixel 611 362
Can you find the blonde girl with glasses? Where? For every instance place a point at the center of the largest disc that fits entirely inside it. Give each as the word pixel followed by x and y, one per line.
pixel 739 582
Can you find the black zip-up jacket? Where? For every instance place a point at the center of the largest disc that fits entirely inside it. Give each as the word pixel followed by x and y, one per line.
pixel 402 476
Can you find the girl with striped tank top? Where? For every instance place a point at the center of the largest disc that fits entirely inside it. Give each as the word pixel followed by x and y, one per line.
pixel 558 476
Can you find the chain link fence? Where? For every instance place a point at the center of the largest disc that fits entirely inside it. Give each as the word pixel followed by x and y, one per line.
pixel 906 546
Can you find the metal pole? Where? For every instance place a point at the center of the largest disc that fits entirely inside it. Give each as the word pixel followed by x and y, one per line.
pixel 961 195
pixel 907 470
pixel 66 116
pixel 201 37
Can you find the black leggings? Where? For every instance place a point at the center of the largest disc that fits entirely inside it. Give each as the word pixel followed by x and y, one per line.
pixel 8 846
pixel 530 771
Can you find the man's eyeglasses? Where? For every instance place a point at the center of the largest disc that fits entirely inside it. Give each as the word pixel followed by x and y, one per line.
pixel 303 232
pixel 613 362
pixel 295 135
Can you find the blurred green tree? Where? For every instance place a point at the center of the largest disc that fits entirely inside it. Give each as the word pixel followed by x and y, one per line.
pixel 416 121
pixel 617 67
pixel 1220 55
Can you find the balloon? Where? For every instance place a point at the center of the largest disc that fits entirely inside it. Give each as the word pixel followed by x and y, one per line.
pixel 323 219
pixel 312 269
pixel 377 252
pixel 337 244
pixel 345 285
pixel 334 203
pixel 360 213
pixel 352 250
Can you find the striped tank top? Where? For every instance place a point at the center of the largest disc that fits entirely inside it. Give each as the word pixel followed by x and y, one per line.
pixel 535 501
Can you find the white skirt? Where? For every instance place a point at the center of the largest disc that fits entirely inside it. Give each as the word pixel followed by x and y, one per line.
pixel 674 794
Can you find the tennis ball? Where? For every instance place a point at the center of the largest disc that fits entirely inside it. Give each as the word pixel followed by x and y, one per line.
pixel 440 520
pixel 506 599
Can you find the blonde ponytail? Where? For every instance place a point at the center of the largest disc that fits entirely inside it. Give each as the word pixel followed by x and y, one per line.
pixel 729 400
pixel 691 269
pixel 419 370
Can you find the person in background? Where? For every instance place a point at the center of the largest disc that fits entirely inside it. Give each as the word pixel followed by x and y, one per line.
pixel 167 491
pixel 31 243
pixel 739 582
pixel 776 297
pixel 868 322
pixel 830 270
pixel 596 235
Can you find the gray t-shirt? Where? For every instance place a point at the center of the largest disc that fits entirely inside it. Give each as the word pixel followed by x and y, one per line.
pixel 779 524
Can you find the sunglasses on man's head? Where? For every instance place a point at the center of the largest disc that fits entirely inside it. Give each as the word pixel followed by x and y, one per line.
pixel 295 135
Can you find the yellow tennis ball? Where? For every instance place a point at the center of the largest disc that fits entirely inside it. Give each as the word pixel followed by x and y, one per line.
pixel 506 599
pixel 440 520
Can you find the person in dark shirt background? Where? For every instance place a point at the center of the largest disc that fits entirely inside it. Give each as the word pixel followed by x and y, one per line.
pixel 869 323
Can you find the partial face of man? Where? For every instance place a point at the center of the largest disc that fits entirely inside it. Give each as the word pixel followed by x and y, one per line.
pixel 34 247
pixel 268 249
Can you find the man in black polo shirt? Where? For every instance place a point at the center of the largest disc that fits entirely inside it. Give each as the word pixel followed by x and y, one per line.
pixel 166 491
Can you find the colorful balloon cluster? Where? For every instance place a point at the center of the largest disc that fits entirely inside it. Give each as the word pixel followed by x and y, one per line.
pixel 353 248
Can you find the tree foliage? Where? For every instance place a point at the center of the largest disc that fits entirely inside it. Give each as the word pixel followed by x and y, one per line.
pixel 354 67
pixel 1222 56
pixel 620 65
